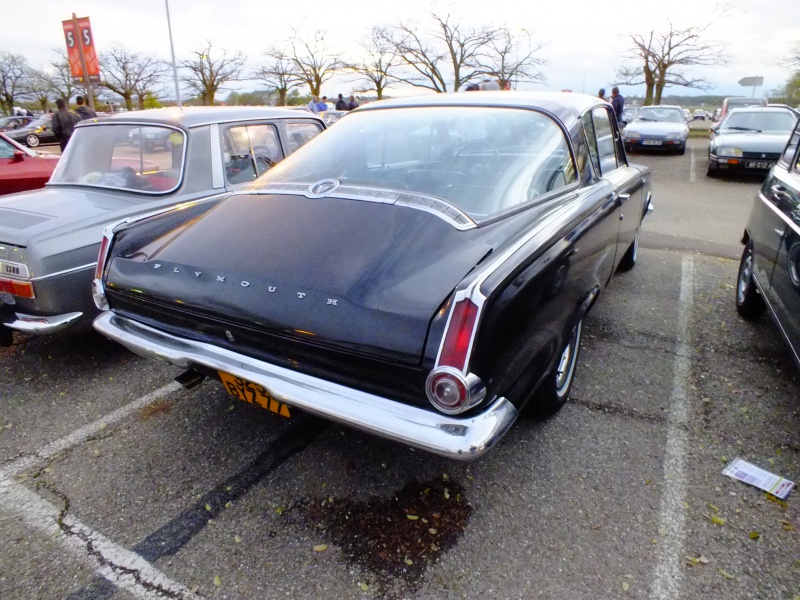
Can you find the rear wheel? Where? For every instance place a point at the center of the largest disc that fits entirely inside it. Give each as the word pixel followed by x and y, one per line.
pixel 556 386
pixel 32 140
pixel 749 302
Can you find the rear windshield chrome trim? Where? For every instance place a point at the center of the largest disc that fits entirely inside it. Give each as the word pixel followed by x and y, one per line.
pixel 430 204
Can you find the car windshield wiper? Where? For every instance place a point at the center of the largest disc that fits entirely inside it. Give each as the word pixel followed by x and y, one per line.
pixel 645 119
pixel 744 129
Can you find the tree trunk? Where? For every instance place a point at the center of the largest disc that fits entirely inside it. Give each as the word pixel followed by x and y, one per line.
pixel 128 101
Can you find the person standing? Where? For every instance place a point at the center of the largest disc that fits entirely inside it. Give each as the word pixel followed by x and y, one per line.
pixel 341 104
pixel 312 105
pixel 64 121
pixel 322 105
pixel 353 103
pixel 602 94
pixel 618 102
pixel 84 111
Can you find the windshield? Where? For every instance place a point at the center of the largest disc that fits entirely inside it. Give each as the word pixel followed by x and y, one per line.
pixel 668 115
pixel 127 157
pixel 482 160
pixel 779 122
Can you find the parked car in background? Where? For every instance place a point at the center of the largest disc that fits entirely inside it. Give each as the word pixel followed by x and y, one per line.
pixel 421 271
pixel 49 238
pixel 661 127
pixel 749 139
pixel 687 115
pixel 769 272
pixel 22 169
pixel 331 116
pixel 628 114
pixel 729 104
pixel 699 115
pixel 14 122
pixel 35 133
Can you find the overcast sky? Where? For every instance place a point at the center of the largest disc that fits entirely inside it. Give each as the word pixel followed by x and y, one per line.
pixel 583 41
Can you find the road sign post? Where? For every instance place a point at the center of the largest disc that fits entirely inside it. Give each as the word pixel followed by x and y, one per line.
pixel 753 82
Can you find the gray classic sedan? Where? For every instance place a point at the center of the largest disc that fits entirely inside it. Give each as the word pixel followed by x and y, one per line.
pixel 749 139
pixel 49 238
pixel 662 127
pixel 769 273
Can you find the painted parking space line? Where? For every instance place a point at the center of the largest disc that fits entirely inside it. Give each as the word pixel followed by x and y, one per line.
pixel 80 435
pixel 672 514
pixel 692 165
pixel 125 569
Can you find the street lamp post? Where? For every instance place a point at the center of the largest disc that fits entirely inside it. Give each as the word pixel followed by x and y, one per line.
pixel 174 65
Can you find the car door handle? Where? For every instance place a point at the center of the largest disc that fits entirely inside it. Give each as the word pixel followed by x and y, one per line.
pixel 780 192
pixel 624 196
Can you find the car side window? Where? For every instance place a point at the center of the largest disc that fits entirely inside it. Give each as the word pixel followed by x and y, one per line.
pixel 789 153
pixel 249 151
pixel 606 144
pixel 591 140
pixel 299 134
pixel 6 149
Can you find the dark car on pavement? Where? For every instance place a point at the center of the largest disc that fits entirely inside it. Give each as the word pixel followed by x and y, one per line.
pixel 35 133
pixel 22 169
pixel 49 238
pixel 749 139
pixel 14 122
pixel 421 271
pixel 769 273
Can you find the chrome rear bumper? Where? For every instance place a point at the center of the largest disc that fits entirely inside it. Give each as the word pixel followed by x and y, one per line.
pixel 456 438
pixel 38 325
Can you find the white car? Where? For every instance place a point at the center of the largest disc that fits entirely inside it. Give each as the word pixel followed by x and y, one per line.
pixel 657 127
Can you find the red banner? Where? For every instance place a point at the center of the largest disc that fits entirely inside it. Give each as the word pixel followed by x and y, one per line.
pixel 80 43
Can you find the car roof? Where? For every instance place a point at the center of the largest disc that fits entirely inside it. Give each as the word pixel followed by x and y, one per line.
pixel 763 109
pixel 564 105
pixel 196 116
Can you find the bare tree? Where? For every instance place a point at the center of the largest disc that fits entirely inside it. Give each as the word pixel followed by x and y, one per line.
pixel 129 74
pixel 38 87
pixel 793 58
pixel 664 57
pixel 312 60
pixel 208 71
pixel 59 75
pixel 445 52
pixel 279 73
pixel 376 64
pixel 510 57
pixel 13 72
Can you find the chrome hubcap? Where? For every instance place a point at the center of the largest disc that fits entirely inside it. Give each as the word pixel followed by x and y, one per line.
pixel 745 275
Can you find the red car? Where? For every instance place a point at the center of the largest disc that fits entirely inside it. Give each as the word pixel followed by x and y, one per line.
pixel 22 169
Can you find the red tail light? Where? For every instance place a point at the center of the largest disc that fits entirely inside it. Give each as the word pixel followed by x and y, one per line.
pixel 101 257
pixel 459 334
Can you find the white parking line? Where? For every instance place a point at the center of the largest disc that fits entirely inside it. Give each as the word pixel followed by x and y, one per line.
pixel 672 516
pixel 125 569
pixel 692 170
pixel 80 435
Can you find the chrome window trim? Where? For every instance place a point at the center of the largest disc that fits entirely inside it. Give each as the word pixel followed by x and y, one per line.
pixel 794 226
pixel 459 219
pixel 217 178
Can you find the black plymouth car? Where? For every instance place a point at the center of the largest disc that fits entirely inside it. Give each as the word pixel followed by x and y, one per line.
pixel 421 271
pixel 769 273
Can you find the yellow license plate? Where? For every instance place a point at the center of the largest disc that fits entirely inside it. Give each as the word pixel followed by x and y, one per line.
pixel 253 393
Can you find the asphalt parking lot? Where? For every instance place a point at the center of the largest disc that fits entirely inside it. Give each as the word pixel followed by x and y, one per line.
pixel 117 483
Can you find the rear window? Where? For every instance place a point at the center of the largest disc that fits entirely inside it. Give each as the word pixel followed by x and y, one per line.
pixel 141 158
pixel 484 160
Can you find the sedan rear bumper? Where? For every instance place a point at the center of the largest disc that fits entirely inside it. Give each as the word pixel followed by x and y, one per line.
pixel 457 438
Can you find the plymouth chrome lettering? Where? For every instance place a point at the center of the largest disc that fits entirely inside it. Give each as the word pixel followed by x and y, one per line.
pixel 220 278
pixel 301 295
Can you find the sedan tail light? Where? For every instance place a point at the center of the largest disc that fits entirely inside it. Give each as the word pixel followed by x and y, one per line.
pixel 98 290
pixel 448 387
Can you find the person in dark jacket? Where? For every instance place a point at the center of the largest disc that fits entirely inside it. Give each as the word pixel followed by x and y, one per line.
pixel 341 104
pixel 618 102
pixel 84 111
pixel 64 121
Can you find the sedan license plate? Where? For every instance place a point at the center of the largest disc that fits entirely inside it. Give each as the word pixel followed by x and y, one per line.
pixel 651 142
pixel 253 393
pixel 754 164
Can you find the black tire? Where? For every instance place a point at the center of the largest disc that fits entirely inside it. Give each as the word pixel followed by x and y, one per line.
pixel 682 149
pixel 712 170
pixel 555 389
pixel 629 259
pixel 749 302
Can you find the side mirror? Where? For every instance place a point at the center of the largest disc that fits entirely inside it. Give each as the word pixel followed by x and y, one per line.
pixel 19 156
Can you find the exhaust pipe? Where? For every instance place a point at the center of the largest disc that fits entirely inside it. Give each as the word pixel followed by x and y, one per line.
pixel 190 378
